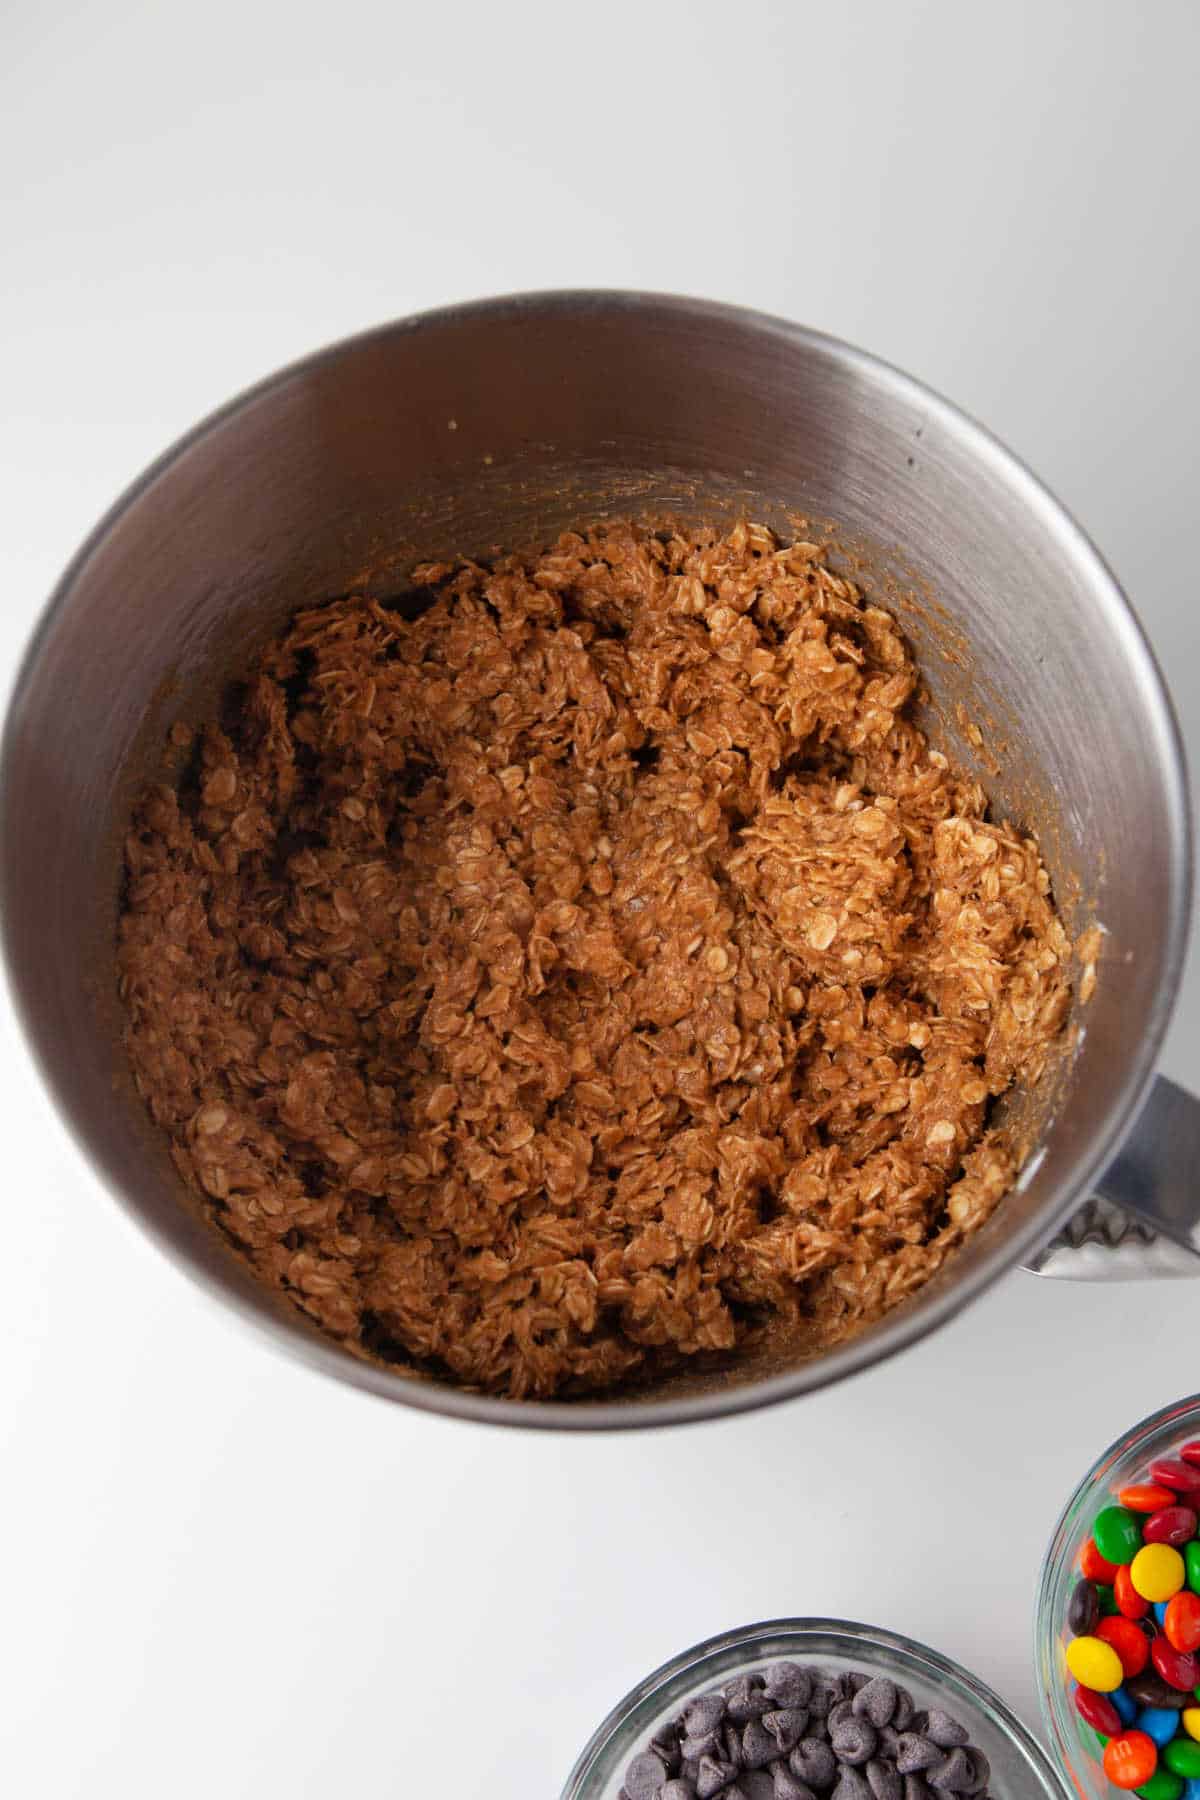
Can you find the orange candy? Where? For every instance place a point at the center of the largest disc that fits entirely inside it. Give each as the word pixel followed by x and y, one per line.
pixel 1093 1565
pixel 1146 1499
pixel 1129 1602
pixel 1130 1643
pixel 1130 1760
pixel 1182 1622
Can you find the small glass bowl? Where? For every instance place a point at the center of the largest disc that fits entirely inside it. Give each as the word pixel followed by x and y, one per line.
pixel 1020 1767
pixel 1122 1464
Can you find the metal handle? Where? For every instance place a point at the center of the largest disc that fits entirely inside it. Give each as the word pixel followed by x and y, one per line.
pixel 1145 1219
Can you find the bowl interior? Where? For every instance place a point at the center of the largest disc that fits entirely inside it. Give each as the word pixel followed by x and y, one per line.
pixel 501 424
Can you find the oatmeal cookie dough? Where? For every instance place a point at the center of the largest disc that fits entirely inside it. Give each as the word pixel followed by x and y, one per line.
pixel 586 964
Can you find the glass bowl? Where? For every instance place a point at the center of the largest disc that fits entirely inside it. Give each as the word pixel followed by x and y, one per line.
pixel 1122 1463
pixel 1020 1767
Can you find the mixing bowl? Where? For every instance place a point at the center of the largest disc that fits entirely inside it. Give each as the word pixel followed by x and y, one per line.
pixel 501 423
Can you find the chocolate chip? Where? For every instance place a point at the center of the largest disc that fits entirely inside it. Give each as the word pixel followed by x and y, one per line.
pixel 877 1701
pixel 758 1746
pixel 787 1684
pixel 789 1786
pixel 917 1788
pixel 853 1740
pixel 813 1762
pixel 712 1776
pixel 704 1714
pixel 942 1730
pixel 745 1700
pixel 852 1785
pixel 645 1775
pixel 787 1727
pixel 693 1748
pixel 902 1718
pixel 855 1680
pixel 954 1773
pixel 981 1770
pixel 841 1709
pixel 825 1693
pixel 889 1742
pixel 758 1784
pixel 914 1752
pixel 665 1743
pixel 883 1780
pixel 677 1790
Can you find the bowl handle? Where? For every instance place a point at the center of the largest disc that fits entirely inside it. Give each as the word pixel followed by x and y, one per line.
pixel 1145 1217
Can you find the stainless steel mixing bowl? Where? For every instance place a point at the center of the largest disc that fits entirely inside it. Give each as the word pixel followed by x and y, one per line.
pixel 502 422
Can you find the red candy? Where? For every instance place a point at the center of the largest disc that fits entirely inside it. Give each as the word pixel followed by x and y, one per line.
pixel 1129 1643
pixel 1177 1668
pixel 1145 1499
pixel 1093 1565
pixel 1182 1622
pixel 1191 1452
pixel 1130 1760
pixel 1098 1711
pixel 1172 1472
pixel 1129 1602
pixel 1173 1525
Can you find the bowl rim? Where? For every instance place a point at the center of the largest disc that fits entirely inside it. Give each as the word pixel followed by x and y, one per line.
pixel 925 1313
pixel 854 1632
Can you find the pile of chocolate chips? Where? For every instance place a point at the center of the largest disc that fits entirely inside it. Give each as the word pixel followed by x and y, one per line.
pixel 791 1733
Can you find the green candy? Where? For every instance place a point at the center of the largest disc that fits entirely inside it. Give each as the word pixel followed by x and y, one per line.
pixel 1182 1756
pixel 1107 1599
pixel 1118 1534
pixel 1191 1556
pixel 1162 1785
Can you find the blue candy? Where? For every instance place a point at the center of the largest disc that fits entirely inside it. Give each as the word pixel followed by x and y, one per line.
pixel 1160 1611
pixel 1191 1789
pixel 1126 1707
pixel 1158 1722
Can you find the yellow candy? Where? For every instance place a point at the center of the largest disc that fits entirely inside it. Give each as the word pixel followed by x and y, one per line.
pixel 1157 1572
pixel 1095 1664
pixel 1190 1717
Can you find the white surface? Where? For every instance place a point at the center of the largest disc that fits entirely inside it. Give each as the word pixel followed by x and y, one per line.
pixel 223 1576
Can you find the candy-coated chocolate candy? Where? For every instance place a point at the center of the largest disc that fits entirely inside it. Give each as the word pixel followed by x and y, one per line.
pixel 1173 1525
pixel 1159 1609
pixel 1182 1757
pixel 1125 1707
pixel 1098 1711
pixel 1162 1785
pixel 1157 1571
pixel 1177 1669
pixel 1129 1642
pixel 1149 1689
pixel 1117 1533
pixel 1083 1608
pixel 1146 1498
pixel 1191 1452
pixel 1130 1759
pixel 1158 1722
pixel 1129 1602
pixel 1172 1472
pixel 1191 1557
pixel 1182 1623
pixel 1191 1790
pixel 1094 1664
pixel 1095 1566
pixel 1189 1718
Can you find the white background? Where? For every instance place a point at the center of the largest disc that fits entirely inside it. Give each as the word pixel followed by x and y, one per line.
pixel 221 1576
